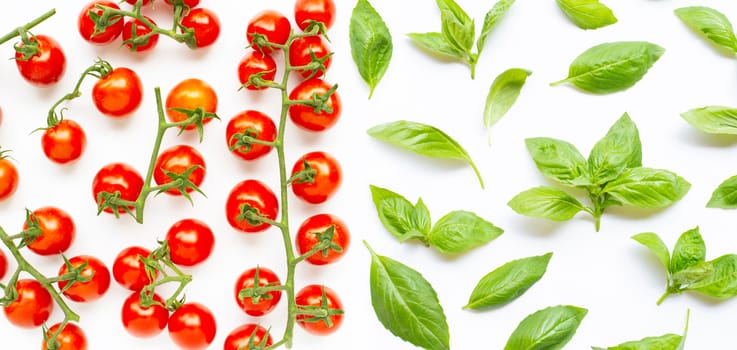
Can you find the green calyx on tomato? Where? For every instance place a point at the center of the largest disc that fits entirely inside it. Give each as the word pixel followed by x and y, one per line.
pixel 159 263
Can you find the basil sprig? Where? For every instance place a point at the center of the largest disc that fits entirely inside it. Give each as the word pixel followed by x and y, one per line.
pixel 587 14
pixel 371 43
pixel 547 329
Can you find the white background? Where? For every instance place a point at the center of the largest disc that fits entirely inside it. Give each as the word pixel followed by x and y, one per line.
pixel 606 272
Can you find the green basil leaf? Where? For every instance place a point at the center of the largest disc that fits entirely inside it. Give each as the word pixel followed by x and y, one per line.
pixel 663 342
pixel 435 43
pixel 508 282
pixel 371 43
pixel 548 329
pixel 689 251
pixel 692 274
pixel 421 217
pixel 713 119
pixel 457 27
pixel 460 231
pixel 399 216
pixel 725 195
pixel 653 242
pixel 612 67
pixel 503 93
pixel 547 203
pixel 423 139
pixel 722 283
pixel 490 20
pixel 618 150
pixel 647 188
pixel 710 23
pixel 587 14
pixel 406 304
pixel 558 160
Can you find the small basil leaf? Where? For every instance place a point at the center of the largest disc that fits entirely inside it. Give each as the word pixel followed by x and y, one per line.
pixel 547 203
pixel 490 20
pixel 710 23
pixel 587 14
pixel 457 27
pixel 421 217
pixel 618 150
pixel 713 119
pixel 508 282
pixel 722 283
pixel 612 67
pixel 647 188
pixel 423 139
pixel 653 242
pixel 503 93
pixel 558 160
pixel 693 274
pixel 689 251
pixel 371 43
pixel 725 195
pixel 406 304
pixel 435 43
pixel 460 231
pixel 398 215
pixel 548 329
pixel 663 342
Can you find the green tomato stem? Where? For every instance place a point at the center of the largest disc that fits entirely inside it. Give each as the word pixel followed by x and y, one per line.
pixel 27 26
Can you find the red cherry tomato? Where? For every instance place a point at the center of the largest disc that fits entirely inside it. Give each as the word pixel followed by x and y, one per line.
pixel 255 62
pixel 273 26
pixel 206 26
pixel 57 231
pixel 118 177
pixel 47 66
pixel 301 51
pixel 8 178
pixel 191 94
pixel 266 303
pixel 306 117
pixel 254 124
pixel 86 25
pixel 3 264
pixel 65 142
pixel 192 326
pixel 145 2
pixel 312 296
pixel 311 233
pixel 189 3
pixel 248 336
pixel 190 242
pixel 143 322
pixel 178 159
pixel 91 290
pixel 316 10
pixel 119 93
pixel 326 180
pixel 135 28
pixel 256 195
pixel 71 337
pixel 129 270
pixel 33 306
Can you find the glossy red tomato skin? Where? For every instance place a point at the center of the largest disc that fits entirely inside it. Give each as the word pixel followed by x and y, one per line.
pixel 118 94
pixel 33 306
pixel 128 269
pixel 64 143
pixel 301 51
pixel 143 322
pixel 247 279
pixel 190 242
pixel 91 290
pixel 191 94
pixel 177 159
pixel 118 177
pixel 140 30
pixel 206 26
pixel 307 237
pixel 317 10
pixel 133 2
pixel 58 231
pixel 311 295
pixel 305 117
pixel 327 179
pixel 256 194
pixel 47 66
pixel 3 265
pixel 251 122
pixel 240 337
pixel 86 25
pixel 255 62
pixel 192 326
pixel 190 3
pixel 8 178
pixel 273 25
pixel 71 337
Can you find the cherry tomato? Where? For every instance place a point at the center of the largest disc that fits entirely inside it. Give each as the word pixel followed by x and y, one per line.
pixel 206 26
pixel 65 142
pixel 86 25
pixel 3 265
pixel 312 296
pixel 255 62
pixel 144 322
pixel 135 28
pixel 316 10
pixel 145 2
pixel 71 337
pixel 8 178
pixel 311 232
pixel 190 242
pixel 47 66
pixel 254 124
pixel 178 159
pixel 189 3
pixel 270 24
pixel 191 94
pixel 306 117
pixel 192 326
pixel 91 290
pixel 119 93
pixel 33 306
pixel 256 195
pixel 248 336
pixel 266 303
pixel 57 231
pixel 326 180
pixel 118 177
pixel 301 51
pixel 128 269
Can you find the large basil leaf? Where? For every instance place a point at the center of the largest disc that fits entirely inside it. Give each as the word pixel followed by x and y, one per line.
pixel 710 23
pixel 713 119
pixel 371 43
pixel 587 14
pixel 457 27
pixel 548 329
pixel 547 203
pixel 725 196
pixel 722 282
pixel 399 216
pixel 490 20
pixel 653 242
pixel 558 160
pixel 663 342
pixel 435 43
pixel 508 282
pixel 406 304
pixel 618 150
pixel 647 188
pixel 460 231
pixel 612 67
pixel 503 93
pixel 688 251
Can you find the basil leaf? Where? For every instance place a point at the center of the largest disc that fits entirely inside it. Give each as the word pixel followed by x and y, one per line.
pixel 558 160
pixel 689 251
pixel 710 23
pixel 618 150
pixel 460 231
pixel 722 283
pixel 612 67
pixel 713 119
pixel 457 27
pixel 653 242
pixel 371 43
pixel 587 14
pixel 490 20
pixel 503 93
pixel 508 282
pixel 647 188
pixel 547 329
pixel 423 139
pixel 725 195
pixel 692 274
pixel 663 342
pixel 399 216
pixel 435 43
pixel 406 304
pixel 547 203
